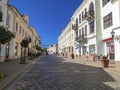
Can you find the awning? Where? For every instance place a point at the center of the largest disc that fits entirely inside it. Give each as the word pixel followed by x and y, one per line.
pixel 107 39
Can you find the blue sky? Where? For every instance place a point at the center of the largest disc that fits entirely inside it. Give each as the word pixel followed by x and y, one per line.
pixel 48 17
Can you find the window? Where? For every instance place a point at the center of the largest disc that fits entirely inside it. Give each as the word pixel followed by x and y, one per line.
pixel 23 32
pixel 76 33
pixel 107 21
pixel 20 30
pixel 91 9
pixel 92 49
pixel 84 50
pixel 91 27
pixel 85 10
pixel 82 15
pixel 16 26
pixel 1 16
pixel 85 30
pixel 8 20
pixel 80 18
pixel 104 2
pixel 77 21
pixel 80 32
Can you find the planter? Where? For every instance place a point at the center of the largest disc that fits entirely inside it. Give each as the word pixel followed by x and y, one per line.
pixel 105 62
pixel 72 56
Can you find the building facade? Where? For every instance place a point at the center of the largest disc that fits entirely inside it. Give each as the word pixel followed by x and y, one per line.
pixel 66 41
pixel 110 19
pixel 19 25
pixel 96 25
pixel 53 49
pixel 85 24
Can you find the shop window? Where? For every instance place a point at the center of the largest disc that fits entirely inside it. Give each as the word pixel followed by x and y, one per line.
pixel 107 21
pixel 110 50
pixel 84 50
pixel 92 49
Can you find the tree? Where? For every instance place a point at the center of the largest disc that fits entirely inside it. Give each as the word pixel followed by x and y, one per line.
pixel 5 36
pixel 24 43
pixel 38 48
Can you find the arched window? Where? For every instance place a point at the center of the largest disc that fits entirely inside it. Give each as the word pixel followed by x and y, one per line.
pixel 91 8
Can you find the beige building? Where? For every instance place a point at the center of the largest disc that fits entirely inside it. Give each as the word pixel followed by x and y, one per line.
pixel 23 30
pixel 18 24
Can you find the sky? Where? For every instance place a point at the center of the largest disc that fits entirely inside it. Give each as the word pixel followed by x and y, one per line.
pixel 48 17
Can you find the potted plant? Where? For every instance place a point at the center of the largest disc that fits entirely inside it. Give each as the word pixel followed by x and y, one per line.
pixel 72 56
pixel 105 61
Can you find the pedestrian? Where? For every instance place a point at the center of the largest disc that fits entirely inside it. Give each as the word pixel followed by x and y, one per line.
pixel 46 53
pixel 95 57
pixel 101 57
pixel 87 56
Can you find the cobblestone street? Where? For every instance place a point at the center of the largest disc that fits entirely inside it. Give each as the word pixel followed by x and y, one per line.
pixel 54 73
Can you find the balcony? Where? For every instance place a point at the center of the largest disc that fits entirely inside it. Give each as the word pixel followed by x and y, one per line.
pixel 75 27
pixel 89 15
pixel 81 38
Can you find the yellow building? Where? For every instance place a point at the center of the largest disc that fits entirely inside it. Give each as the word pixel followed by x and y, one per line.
pixel 23 30
pixel 13 21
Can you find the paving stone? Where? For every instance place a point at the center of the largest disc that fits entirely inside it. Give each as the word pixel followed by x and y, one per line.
pixel 53 74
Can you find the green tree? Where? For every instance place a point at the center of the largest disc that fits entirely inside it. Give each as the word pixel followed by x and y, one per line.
pixel 5 36
pixel 38 48
pixel 24 43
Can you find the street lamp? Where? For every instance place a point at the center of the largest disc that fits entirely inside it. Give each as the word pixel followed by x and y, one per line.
pixel 117 38
pixel 112 33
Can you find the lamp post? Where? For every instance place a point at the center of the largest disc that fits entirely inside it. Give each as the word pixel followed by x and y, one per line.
pixel 112 33
pixel 7 46
pixel 117 37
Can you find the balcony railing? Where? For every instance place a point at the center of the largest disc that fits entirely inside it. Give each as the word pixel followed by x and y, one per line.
pixel 89 15
pixel 75 27
pixel 81 38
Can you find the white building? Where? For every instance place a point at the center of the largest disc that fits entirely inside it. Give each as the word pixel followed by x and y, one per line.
pixel 66 41
pixel 85 24
pixel 52 49
pixel 110 19
pixel 92 23
pixel 6 20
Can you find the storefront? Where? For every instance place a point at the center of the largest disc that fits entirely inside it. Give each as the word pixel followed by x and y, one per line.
pixel 92 49
pixel 110 50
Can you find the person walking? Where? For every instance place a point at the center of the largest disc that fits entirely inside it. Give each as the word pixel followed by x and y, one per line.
pixel 86 56
pixel 95 57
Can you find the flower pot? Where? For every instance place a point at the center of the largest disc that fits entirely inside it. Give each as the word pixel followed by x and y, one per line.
pixel 72 56
pixel 105 62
